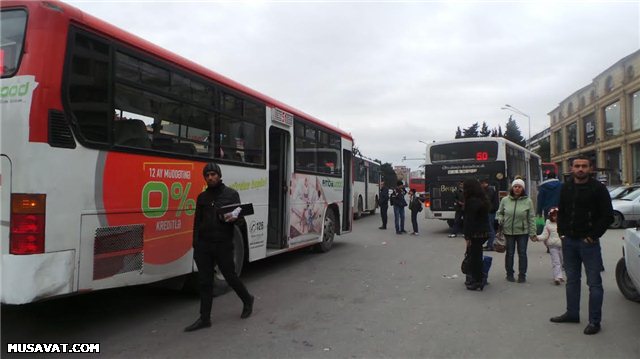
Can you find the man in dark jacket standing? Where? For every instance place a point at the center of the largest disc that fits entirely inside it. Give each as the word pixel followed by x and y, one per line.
pixel 585 213
pixel 548 195
pixel 398 202
pixel 213 244
pixel 383 202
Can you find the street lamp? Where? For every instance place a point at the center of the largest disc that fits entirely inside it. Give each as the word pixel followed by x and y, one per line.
pixel 513 109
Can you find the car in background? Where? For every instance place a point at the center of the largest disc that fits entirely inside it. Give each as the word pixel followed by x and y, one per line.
pixel 628 267
pixel 617 192
pixel 626 209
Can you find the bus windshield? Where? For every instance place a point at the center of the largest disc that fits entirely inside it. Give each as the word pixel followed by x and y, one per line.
pixel 12 31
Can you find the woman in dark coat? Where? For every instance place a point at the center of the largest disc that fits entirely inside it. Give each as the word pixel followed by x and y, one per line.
pixel 476 228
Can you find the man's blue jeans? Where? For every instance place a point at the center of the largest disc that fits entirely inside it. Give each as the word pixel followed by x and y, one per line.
pixel 521 240
pixel 492 230
pixel 576 252
pixel 398 214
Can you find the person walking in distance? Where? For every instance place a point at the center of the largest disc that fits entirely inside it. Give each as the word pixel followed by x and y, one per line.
pixel 584 214
pixel 492 196
pixel 398 202
pixel 516 219
pixel 213 244
pixel 476 228
pixel 415 206
pixel 383 202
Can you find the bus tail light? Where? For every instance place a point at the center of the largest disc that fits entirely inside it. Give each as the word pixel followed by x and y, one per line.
pixel 27 224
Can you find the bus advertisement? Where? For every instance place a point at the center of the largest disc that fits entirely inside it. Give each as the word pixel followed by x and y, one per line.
pixel 493 158
pixel 104 139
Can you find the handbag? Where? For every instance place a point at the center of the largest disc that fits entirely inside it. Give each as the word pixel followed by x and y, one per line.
pixel 500 243
pixel 464 267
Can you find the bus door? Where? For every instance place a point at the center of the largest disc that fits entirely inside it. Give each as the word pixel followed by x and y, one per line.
pixel 346 195
pixel 278 187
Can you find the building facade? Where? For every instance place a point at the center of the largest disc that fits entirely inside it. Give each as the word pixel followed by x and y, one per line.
pixel 602 121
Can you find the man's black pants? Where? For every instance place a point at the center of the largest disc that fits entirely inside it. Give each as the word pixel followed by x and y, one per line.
pixel 383 215
pixel 207 255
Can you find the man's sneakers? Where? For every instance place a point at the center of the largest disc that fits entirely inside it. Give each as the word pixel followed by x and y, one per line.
pixel 198 324
pixel 452 235
pixel 565 318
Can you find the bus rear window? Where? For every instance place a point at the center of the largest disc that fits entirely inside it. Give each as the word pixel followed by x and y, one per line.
pixel 12 29
pixel 464 151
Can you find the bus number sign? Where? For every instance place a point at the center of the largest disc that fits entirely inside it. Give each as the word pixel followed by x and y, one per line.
pixel 482 156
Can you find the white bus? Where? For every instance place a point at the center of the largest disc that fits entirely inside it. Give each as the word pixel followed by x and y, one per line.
pixel 103 140
pixel 366 185
pixel 494 158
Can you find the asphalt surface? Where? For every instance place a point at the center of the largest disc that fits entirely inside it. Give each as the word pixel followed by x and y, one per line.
pixel 374 295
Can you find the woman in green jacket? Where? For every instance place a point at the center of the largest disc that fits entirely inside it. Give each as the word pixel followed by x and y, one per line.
pixel 516 218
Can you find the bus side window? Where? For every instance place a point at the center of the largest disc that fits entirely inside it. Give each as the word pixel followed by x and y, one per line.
pixel 131 133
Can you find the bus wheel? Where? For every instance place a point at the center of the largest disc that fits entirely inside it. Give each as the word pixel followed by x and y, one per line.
pixel 373 211
pixel 328 232
pixel 220 285
pixel 358 213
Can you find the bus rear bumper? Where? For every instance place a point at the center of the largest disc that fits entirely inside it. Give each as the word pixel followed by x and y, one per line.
pixel 28 278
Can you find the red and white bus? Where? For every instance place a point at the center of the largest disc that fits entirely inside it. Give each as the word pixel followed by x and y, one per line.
pixel 103 140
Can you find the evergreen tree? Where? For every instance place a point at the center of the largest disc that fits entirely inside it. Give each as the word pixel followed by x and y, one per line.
pixel 458 133
pixel 499 131
pixel 484 131
pixel 513 134
pixel 472 131
pixel 494 132
pixel 388 175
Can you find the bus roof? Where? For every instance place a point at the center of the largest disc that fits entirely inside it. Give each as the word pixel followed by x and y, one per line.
pixel 75 15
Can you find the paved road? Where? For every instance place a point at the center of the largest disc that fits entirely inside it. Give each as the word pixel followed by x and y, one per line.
pixel 374 295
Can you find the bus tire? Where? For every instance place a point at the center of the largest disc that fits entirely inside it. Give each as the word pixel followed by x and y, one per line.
pixel 625 285
pixel 328 232
pixel 618 220
pixel 220 285
pixel 360 209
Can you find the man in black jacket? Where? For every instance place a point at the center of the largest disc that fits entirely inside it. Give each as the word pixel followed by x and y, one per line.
pixel 213 244
pixel 383 202
pixel 492 195
pixel 585 213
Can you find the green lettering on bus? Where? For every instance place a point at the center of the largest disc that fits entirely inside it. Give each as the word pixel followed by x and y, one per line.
pixel 147 190
pixel 15 90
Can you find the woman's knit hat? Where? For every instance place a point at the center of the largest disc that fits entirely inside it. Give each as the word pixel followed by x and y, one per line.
pixel 518 182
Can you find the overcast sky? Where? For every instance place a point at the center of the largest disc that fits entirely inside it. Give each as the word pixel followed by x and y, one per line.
pixel 394 73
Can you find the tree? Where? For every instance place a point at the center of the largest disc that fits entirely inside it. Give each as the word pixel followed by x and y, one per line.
pixel 544 151
pixel 513 133
pixel 388 175
pixel 499 131
pixel 484 131
pixel 472 131
pixel 458 133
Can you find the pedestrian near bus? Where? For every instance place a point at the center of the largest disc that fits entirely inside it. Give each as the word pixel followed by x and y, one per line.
pixel 517 223
pixel 584 214
pixel 213 244
pixel 548 195
pixel 415 206
pixel 476 229
pixel 383 202
pixel 398 202
pixel 492 196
